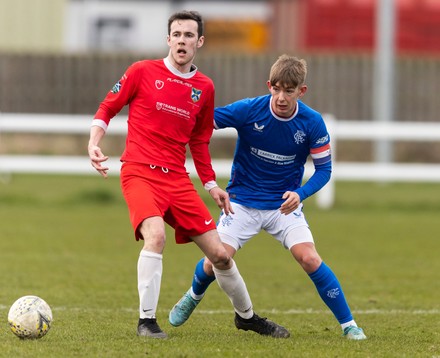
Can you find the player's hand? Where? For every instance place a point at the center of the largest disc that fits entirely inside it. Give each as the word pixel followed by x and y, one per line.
pixel 97 158
pixel 221 197
pixel 291 203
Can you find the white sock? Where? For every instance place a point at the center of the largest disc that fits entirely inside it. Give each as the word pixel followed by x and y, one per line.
pixel 233 284
pixel 193 295
pixel 149 278
pixel 348 324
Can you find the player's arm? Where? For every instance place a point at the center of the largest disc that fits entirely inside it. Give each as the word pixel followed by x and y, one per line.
pixel 292 199
pixel 232 115
pixel 114 101
pixel 221 197
pixel 322 162
pixel 291 202
pixel 203 164
pixel 199 147
pixel 95 153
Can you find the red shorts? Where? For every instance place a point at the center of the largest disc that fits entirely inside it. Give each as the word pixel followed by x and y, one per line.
pixel 153 191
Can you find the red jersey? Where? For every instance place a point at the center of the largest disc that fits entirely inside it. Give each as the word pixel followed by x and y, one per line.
pixel 167 110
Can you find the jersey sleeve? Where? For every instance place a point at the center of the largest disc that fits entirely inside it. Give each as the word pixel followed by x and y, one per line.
pixel 119 96
pixel 199 142
pixel 320 152
pixel 232 115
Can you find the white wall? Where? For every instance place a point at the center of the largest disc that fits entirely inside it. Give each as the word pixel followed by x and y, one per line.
pixel 148 22
pixel 147 32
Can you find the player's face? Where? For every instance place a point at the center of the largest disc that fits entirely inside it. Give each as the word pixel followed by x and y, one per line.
pixel 183 41
pixel 284 99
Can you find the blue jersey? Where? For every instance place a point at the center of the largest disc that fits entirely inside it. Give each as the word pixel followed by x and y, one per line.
pixel 271 152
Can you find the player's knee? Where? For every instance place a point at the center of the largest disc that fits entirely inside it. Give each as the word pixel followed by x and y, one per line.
pixel 207 267
pixel 153 236
pixel 309 261
pixel 221 259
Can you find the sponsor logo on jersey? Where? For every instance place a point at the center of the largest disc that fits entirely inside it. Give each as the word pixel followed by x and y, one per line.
pixel 322 140
pixel 159 84
pixel 273 157
pixel 195 94
pixel 299 137
pixel 180 112
pixel 180 82
pixel 258 128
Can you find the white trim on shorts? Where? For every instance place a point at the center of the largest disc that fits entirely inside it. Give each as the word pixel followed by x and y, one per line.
pixel 238 228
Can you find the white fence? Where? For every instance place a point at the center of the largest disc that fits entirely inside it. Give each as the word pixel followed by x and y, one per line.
pixel 352 130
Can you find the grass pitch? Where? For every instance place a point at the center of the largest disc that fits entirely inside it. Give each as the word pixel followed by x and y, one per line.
pixel 68 240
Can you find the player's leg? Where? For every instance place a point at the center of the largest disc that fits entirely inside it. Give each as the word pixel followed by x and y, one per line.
pixel 200 228
pixel 325 280
pixel 203 277
pixel 226 272
pixel 232 283
pixel 149 270
pixel 234 234
pixel 143 203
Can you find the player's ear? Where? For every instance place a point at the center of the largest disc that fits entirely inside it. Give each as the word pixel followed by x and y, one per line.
pixel 269 86
pixel 200 41
pixel 302 90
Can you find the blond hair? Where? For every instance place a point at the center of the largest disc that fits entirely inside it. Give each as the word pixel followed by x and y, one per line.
pixel 288 71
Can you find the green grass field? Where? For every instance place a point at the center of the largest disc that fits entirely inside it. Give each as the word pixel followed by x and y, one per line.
pixel 68 240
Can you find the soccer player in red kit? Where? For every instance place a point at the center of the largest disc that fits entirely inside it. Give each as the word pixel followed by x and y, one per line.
pixel 171 105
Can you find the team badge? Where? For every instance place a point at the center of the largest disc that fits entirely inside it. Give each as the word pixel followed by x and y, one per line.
pixel 195 94
pixel 299 137
pixel 159 84
pixel 227 221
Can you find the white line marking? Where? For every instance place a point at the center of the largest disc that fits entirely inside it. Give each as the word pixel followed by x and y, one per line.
pixel 273 311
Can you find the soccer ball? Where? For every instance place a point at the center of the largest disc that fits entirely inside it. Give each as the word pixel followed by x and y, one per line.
pixel 30 317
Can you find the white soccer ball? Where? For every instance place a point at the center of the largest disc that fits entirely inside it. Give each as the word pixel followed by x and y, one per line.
pixel 30 317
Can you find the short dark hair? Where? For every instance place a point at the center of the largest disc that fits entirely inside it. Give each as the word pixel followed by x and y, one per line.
pixel 187 15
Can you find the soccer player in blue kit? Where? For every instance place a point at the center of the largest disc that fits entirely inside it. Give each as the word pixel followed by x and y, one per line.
pixel 276 134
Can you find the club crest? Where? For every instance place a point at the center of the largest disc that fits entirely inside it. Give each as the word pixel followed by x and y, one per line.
pixel 159 84
pixel 299 137
pixel 195 94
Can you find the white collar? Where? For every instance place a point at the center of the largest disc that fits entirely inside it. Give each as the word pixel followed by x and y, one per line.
pixel 175 71
pixel 282 118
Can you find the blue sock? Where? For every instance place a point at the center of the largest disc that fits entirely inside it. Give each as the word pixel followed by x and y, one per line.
pixel 201 280
pixel 331 293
